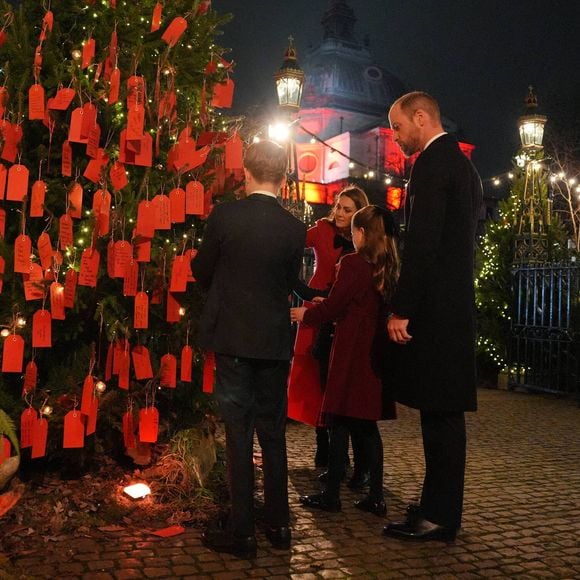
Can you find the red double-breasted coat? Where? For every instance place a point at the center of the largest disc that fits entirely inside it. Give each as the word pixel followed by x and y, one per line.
pixel 354 386
pixel 304 389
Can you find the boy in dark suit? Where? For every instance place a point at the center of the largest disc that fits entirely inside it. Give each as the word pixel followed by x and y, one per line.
pixel 433 320
pixel 249 262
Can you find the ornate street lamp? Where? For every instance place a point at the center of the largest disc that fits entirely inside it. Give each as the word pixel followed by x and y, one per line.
pixel 531 125
pixel 289 80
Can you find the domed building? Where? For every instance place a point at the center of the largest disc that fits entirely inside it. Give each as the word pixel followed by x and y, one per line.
pixel 344 134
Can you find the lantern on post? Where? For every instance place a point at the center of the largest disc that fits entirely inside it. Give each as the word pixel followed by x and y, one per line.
pixel 531 125
pixel 289 80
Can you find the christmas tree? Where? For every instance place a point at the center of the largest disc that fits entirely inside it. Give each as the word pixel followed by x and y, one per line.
pixel 112 146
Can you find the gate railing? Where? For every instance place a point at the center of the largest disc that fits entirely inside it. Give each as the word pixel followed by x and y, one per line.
pixel 545 333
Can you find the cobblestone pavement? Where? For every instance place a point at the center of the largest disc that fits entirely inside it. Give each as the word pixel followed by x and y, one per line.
pixel 522 512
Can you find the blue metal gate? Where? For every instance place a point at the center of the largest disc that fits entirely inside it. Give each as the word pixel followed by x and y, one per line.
pixel 545 333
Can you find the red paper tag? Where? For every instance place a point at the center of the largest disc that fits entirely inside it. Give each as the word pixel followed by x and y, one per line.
pixel 88 54
pixel 223 94
pixel 186 363
pixel 123 254
pixel 173 308
pixel 39 437
pixel 66 163
pixel 35 103
pixel 145 219
pixel 42 329
pixel 148 425
pixel 17 183
pixel 3 180
pixel 74 430
pixel 177 205
pixel 92 416
pixel 174 31
pixel 194 198
pixel 57 301
pixel 208 372
pixel 22 251
pixel 75 197
pixel 76 123
pixel 65 232
pixel 135 123
pixel 88 395
pixel 124 359
pixel 234 153
pixel 156 19
pixel 144 156
pixel 95 167
pixel 37 199
pixel 70 288
pixel 141 311
pixel 129 431
pixel 44 246
pixel 131 278
pixel 13 354
pixel 27 420
pixel 62 99
pixel 93 141
pixel 135 91
pixel 30 377
pixel 142 250
pixel 179 271
pixel 89 271
pixel 114 86
pixel 118 176
pixel 142 363
pixel 162 214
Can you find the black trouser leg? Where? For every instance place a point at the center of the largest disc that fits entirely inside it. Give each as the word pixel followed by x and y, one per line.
pixel 339 431
pixel 444 442
pixel 322 442
pixel 359 452
pixel 370 449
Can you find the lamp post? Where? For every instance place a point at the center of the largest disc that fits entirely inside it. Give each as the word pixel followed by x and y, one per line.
pixel 289 81
pixel 531 241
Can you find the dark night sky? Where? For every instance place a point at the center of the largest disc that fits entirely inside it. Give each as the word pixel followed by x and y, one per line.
pixel 477 57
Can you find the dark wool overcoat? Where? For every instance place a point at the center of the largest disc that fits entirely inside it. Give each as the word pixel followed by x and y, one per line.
pixel 249 262
pixel 435 371
pixel 353 387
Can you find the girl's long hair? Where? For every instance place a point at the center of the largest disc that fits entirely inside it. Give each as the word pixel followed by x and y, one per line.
pixel 358 196
pixel 380 247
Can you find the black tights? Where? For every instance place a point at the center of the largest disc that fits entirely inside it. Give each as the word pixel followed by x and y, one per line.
pixel 367 433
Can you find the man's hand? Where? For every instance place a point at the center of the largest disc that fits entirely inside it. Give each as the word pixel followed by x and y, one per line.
pixel 297 314
pixel 397 329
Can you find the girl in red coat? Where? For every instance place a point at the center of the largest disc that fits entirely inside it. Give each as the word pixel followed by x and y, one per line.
pixel 330 239
pixel 353 394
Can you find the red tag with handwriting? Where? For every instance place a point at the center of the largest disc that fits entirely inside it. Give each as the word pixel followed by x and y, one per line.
pixel 42 329
pixel 142 363
pixel 37 199
pixel 179 271
pixel 114 86
pixel 17 183
pixel 27 420
pixel 123 254
pixel 131 278
pixel 74 430
pixel 162 212
pixel 174 31
pixel 124 358
pixel 75 126
pixel 65 231
pixel 135 123
pixel 94 138
pixel 208 372
pixel 129 431
pixel 168 376
pixel 39 437
pixel 135 91
pixel 70 288
pixel 13 355
pixel 88 53
pixel 22 251
pixel 177 205
pixel 186 363
pixel 35 103
pixel 30 377
pixel 145 219
pixel 173 308
pixel 118 176
pixel 89 271
pixel 88 395
pixel 148 425
pixel 194 198
pixel 44 246
pixel 75 198
pixel 141 311
pixel 156 19
pixel 57 301
pixel 142 250
pixel 62 99
pixel 66 163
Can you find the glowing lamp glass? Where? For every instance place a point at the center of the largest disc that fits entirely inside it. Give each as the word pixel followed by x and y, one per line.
pixel 137 490
pixel 532 131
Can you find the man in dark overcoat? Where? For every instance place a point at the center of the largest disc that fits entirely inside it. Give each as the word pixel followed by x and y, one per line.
pixel 432 324
pixel 249 262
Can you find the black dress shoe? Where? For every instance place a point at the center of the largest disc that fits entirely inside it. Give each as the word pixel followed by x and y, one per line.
pixel 321 502
pixel 377 507
pixel 280 537
pixel 418 528
pixel 359 481
pixel 217 538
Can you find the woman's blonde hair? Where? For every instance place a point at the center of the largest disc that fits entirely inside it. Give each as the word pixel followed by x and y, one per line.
pixel 380 247
pixel 358 196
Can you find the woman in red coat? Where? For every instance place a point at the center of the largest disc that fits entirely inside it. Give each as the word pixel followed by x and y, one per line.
pixel 330 239
pixel 353 395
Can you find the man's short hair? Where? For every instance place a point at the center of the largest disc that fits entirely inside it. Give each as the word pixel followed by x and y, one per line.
pixel 266 161
pixel 410 102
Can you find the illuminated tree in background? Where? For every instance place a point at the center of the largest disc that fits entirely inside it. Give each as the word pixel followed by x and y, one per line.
pixel 111 150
